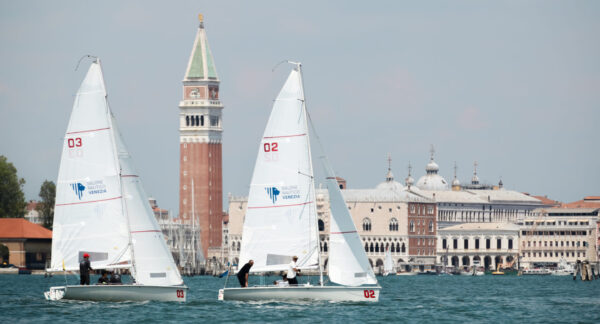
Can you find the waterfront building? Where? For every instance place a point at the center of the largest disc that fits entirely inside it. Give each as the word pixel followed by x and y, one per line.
pixel 29 244
pixel 588 202
pixel 200 133
pixel 486 244
pixel 548 235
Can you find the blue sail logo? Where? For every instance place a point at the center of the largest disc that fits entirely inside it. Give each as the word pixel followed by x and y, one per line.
pixel 273 192
pixel 78 188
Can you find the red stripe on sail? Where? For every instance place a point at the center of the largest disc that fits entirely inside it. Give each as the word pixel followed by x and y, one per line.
pixel 285 136
pixel 306 203
pixel 87 202
pixel 87 131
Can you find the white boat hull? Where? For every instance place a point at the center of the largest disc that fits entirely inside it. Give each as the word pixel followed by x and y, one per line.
pixel 406 274
pixel 118 293
pixel 300 293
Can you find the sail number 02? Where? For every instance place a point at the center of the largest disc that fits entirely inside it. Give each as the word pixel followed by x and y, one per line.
pixel 369 293
pixel 271 147
pixel 74 142
pixel 180 293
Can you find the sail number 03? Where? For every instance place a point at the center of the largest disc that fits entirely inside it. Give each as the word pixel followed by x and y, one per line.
pixel 369 293
pixel 180 293
pixel 74 142
pixel 271 147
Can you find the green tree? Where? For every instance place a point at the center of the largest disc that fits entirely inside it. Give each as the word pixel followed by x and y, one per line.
pixel 46 206
pixel 12 199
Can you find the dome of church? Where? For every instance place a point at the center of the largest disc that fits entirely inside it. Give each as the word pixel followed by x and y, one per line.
pixel 432 181
pixel 389 183
pixel 432 167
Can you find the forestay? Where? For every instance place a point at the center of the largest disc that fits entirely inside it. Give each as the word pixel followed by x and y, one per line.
pixel 281 220
pixel 88 215
pixel 348 263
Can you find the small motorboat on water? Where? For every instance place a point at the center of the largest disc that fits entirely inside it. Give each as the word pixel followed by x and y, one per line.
pixel 537 272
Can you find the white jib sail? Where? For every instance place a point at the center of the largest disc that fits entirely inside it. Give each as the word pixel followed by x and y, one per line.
pixel 388 264
pixel 281 218
pixel 88 214
pixel 348 263
pixel 152 259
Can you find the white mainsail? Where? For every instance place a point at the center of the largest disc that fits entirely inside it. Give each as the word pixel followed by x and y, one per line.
pixel 88 215
pixel 281 216
pixel 348 263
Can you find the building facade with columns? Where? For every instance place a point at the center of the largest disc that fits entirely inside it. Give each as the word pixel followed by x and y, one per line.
pixel 200 134
pixel 486 244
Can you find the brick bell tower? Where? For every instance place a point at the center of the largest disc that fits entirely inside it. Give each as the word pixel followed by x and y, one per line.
pixel 200 130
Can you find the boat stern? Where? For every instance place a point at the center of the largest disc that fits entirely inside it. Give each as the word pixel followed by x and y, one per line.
pixel 55 293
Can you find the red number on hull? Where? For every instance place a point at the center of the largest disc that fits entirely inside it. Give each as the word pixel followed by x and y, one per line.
pixel 369 293
pixel 180 294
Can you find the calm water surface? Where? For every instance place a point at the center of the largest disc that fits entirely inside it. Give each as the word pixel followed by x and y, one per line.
pixel 414 299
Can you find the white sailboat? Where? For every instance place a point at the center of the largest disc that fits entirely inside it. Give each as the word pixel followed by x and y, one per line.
pixel 281 219
pixel 388 263
pixel 102 210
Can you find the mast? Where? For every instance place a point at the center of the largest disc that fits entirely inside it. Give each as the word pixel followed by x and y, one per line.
pixel 313 219
pixel 118 164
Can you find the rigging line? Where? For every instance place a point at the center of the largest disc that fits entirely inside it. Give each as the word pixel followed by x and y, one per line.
pixel 85 56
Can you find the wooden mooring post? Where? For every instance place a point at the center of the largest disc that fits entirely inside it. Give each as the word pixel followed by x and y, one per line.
pixel 587 271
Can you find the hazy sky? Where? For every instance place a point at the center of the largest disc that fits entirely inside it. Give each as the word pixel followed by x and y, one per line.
pixel 514 85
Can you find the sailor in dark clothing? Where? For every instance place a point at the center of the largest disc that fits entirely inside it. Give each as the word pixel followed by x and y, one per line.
pixel 243 274
pixel 115 279
pixel 103 280
pixel 84 270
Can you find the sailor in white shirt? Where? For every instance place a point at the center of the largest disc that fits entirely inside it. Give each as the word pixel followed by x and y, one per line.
pixel 292 270
pixel 282 282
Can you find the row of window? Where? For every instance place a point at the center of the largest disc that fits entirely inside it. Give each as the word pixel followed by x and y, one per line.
pixel 562 243
pixel 488 244
pixel 412 225
pixel 380 247
pixel 553 223
pixel 198 120
pixel 556 254
pixel 425 252
pixel 426 242
pixel 366 225
pixel 373 209
pixel 560 233
pixel 420 209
